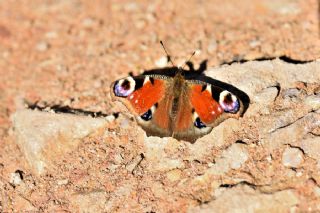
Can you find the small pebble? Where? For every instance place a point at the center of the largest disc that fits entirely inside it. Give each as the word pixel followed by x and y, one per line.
pixel 140 24
pixel 15 178
pixel 197 52
pixel 292 157
pixel 88 22
pixel 134 163
pixel 269 158
pixel 124 124
pixel 110 118
pixel 42 46
pixel 63 182
pixel 299 174
pixel 313 101
pixel 174 175
pixel 212 47
pixel 130 7
pixel 291 93
pixel 162 62
pixel 317 191
pixel 51 34
pixel 254 43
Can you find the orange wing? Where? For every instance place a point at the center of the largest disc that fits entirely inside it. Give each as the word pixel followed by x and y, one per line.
pixel 144 98
pixel 205 106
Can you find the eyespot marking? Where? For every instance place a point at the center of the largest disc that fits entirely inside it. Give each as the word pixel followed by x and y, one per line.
pixel 197 122
pixel 147 116
pixel 124 87
pixel 229 102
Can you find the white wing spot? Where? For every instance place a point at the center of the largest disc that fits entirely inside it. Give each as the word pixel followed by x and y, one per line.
pixel 219 108
pixel 136 101
pixel 209 89
pixel 131 97
pixel 195 115
pixel 146 80
pixel 213 112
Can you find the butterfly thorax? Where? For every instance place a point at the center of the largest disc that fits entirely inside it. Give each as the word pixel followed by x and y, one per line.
pixel 178 99
pixel 178 83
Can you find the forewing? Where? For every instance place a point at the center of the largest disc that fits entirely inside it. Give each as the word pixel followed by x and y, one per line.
pixel 146 96
pixel 214 104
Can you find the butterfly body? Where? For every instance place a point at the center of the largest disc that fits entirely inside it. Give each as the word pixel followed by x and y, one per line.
pixel 176 103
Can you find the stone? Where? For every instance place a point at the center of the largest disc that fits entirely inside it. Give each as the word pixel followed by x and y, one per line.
pixel 254 76
pixel 316 191
pixel 311 147
pixel 42 46
pixel 110 118
pixel 293 133
pixel 283 7
pixel 22 204
pixel 88 22
pixel 292 157
pixel 255 43
pixel 174 175
pixel 51 35
pixel 134 163
pixel 44 137
pixel 63 182
pixel 232 158
pixel 131 7
pixel 313 102
pixel 213 45
pixel 124 197
pixel 156 154
pixel 276 121
pixel 291 93
pixel 266 96
pixel 218 137
pixel 15 178
pixel 262 101
pixel 244 199
pixel 162 62
pixel 94 201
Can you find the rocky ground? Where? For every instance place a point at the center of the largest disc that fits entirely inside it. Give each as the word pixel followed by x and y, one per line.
pixel 61 56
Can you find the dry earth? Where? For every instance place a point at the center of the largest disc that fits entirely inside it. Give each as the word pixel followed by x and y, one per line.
pixel 92 157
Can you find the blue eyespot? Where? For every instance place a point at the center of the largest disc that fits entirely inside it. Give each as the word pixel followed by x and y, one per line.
pixel 229 102
pixel 232 107
pixel 124 87
pixel 198 123
pixel 147 116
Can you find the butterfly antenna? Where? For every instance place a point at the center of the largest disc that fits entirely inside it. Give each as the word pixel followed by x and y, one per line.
pixel 194 52
pixel 168 56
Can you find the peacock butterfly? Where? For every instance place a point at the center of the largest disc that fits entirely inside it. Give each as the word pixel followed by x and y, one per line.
pixel 173 101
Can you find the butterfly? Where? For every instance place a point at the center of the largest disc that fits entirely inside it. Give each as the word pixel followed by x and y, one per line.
pixel 179 103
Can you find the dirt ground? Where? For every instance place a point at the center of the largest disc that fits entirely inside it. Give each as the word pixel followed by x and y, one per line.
pixel 67 53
